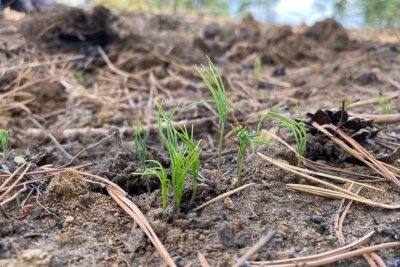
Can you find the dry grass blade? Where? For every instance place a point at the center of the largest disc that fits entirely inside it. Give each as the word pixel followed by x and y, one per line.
pixel 321 255
pixel 119 196
pixel 322 192
pixel 227 194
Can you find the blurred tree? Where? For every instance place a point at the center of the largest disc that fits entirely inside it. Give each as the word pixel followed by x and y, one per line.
pixel 381 13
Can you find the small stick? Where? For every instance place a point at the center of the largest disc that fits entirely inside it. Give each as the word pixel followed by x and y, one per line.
pixel 257 246
pixel 15 182
pixel 13 196
pixel 227 194
pixel 114 132
pixel 59 146
pixel 380 119
pixel 66 134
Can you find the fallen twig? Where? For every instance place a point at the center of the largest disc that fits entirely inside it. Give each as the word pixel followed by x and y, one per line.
pixel 381 118
pixel 227 194
pixel 257 246
pixel 69 134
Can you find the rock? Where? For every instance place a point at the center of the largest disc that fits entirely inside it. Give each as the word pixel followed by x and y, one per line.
pixel 317 218
pixel 225 234
pixel 69 219
pixel 242 239
pixel 229 203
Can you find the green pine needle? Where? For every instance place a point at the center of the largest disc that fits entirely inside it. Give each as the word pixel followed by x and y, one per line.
pixel 183 158
pixel 4 142
pixel 298 130
pixel 159 172
pixel 247 140
pixel 212 79
pixel 141 144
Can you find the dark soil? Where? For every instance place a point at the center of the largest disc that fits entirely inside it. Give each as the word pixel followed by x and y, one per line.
pixel 67 88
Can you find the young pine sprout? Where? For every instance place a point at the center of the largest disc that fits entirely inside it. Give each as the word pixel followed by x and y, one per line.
pixel 212 79
pixel 298 130
pixel 383 103
pixel 159 172
pixel 247 140
pixel 183 158
pixel 195 149
pixel 171 134
pixel 141 144
pixel 4 142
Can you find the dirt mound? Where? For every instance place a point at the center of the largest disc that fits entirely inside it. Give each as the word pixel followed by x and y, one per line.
pixel 70 29
pixel 278 33
pixel 329 33
pixel 65 186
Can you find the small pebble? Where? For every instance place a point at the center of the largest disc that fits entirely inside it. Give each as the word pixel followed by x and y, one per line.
pixel 69 219
pixel 316 218
pixel 229 203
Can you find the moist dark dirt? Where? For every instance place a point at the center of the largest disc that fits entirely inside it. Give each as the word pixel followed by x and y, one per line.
pixel 77 96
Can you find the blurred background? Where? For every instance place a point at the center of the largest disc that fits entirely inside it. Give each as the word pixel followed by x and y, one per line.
pixel 351 13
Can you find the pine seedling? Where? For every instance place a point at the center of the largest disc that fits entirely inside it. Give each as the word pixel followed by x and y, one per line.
pixel 298 130
pixel 212 79
pixel 247 140
pixel 195 149
pixel 159 172
pixel 183 158
pixel 141 144
pixel 4 142
pixel 256 71
pixel 171 134
pixel 383 103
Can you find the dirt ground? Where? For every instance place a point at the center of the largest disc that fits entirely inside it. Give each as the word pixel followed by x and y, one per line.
pixel 69 76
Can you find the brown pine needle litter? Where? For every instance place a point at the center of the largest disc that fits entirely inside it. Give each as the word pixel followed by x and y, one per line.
pixel 339 195
pixel 372 258
pixel 91 88
pixel 359 152
pixel 118 194
pixel 329 256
